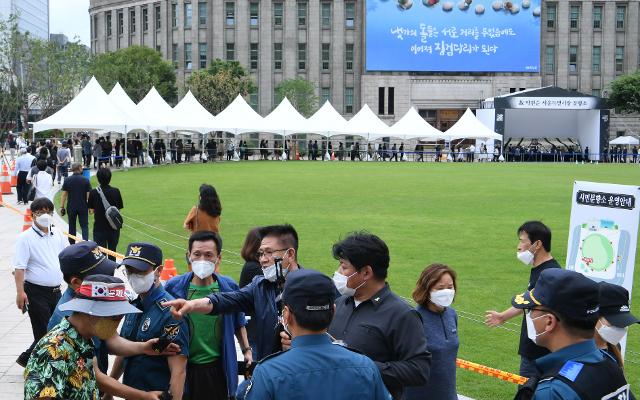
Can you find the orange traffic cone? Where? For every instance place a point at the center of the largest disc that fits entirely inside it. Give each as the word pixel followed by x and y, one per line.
pixel 28 220
pixel 168 271
pixel 14 176
pixel 5 182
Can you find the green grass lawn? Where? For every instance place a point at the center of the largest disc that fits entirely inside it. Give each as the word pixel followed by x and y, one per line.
pixel 460 214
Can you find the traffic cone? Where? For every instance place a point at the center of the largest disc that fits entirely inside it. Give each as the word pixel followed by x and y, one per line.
pixel 5 181
pixel 28 220
pixel 14 176
pixel 169 270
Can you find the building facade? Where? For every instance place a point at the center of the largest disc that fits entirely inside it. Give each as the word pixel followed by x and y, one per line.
pixel 33 16
pixel 584 46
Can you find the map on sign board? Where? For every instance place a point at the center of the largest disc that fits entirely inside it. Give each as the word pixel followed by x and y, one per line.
pixel 601 251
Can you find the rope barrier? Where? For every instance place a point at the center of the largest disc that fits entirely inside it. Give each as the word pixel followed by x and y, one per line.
pixel 495 373
pixel 171 233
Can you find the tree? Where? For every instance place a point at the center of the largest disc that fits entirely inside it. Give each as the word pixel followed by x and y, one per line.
pixel 37 74
pixel 625 94
pixel 301 94
pixel 217 86
pixel 137 68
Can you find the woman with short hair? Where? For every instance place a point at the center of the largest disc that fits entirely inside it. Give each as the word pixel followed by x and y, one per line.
pixel 434 293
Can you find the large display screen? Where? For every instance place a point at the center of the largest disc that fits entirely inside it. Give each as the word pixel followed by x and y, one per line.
pixel 455 36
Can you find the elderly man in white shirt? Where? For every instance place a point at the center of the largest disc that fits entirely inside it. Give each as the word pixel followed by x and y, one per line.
pixel 23 166
pixel 37 270
pixel 42 181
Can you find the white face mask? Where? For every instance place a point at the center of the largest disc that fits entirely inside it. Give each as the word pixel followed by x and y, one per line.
pixel 44 220
pixel 612 334
pixel 526 257
pixel 270 272
pixel 203 268
pixel 531 329
pixel 341 284
pixel 141 283
pixel 442 298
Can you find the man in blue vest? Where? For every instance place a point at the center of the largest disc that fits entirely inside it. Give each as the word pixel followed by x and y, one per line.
pixel 212 371
pixel 561 312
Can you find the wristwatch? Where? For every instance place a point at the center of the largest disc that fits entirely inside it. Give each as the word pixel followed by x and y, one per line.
pixel 245 349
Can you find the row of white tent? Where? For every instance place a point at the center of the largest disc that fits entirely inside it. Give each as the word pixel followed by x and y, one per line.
pixel 95 110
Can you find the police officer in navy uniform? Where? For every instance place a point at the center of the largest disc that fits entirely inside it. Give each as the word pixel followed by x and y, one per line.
pixel 143 262
pixel 561 312
pixel 314 367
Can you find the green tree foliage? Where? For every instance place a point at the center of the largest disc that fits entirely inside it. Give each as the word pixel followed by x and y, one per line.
pixel 625 94
pixel 301 94
pixel 37 74
pixel 137 68
pixel 217 86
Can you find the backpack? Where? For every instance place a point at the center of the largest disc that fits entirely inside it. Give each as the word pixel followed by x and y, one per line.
pixel 111 212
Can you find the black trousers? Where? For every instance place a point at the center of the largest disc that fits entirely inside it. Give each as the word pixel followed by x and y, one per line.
pixel 42 302
pixel 83 217
pixel 107 238
pixel 22 187
pixel 206 382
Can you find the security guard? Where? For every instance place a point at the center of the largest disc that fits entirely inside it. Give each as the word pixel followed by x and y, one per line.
pixel 144 265
pixel 314 367
pixel 561 312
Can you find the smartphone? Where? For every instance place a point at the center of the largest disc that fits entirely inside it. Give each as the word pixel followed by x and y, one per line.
pixel 161 344
pixel 25 309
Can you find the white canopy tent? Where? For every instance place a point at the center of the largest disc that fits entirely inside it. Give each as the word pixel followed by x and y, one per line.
pixel 413 126
pixel 366 124
pixel 327 122
pixel 284 120
pixel 121 100
pixel 90 110
pixel 470 127
pixel 190 115
pixel 155 112
pixel 625 140
pixel 238 118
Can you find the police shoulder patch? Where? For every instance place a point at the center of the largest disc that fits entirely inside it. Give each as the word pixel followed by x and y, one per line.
pixel 160 303
pixel 571 370
pixel 146 324
pixel 171 331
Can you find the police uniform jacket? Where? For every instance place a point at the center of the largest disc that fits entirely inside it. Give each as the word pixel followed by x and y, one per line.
pixel 152 372
pixel 316 369
pixel 569 362
pixel 179 286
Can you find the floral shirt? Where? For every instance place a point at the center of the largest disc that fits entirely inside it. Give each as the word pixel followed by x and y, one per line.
pixel 61 366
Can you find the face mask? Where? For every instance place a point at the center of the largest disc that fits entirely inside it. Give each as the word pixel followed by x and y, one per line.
pixel 141 283
pixel 341 284
pixel 44 220
pixel 442 298
pixel 526 257
pixel 270 272
pixel 531 329
pixel 203 268
pixel 106 328
pixel 612 334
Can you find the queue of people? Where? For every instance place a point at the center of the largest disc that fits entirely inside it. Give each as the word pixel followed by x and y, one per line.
pixel 178 337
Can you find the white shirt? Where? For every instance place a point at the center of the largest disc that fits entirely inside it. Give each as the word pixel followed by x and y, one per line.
pixel 23 163
pixel 37 254
pixel 43 183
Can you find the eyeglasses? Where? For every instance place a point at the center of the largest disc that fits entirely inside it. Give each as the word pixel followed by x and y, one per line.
pixel 39 213
pixel 268 253
pixel 543 310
